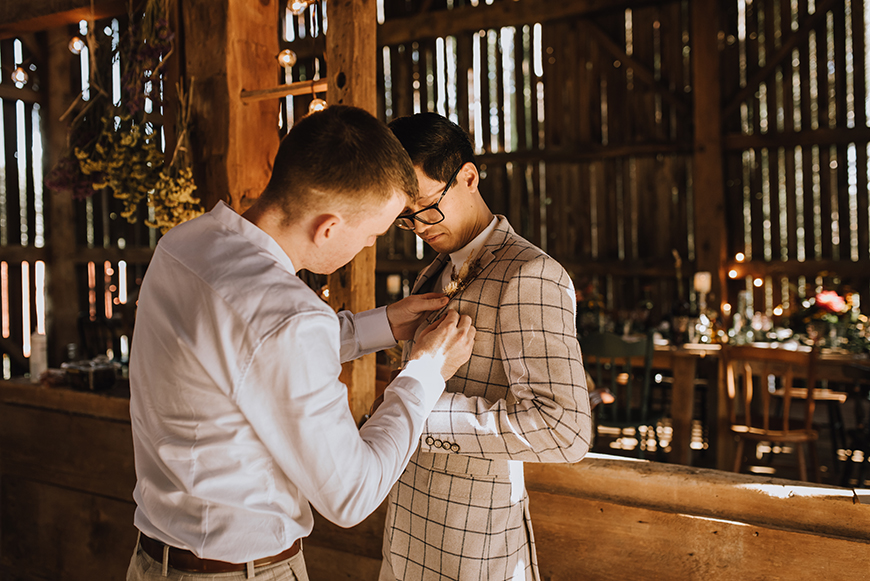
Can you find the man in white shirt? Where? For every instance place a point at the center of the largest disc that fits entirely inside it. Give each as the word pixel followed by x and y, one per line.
pixel 460 510
pixel 239 419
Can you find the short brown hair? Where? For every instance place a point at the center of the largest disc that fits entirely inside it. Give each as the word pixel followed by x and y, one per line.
pixel 436 144
pixel 342 158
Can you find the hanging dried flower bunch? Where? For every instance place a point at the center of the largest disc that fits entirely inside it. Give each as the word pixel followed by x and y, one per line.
pixel 172 198
pixel 113 145
pixel 127 158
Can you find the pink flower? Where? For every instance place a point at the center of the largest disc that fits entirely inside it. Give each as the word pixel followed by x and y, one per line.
pixel 831 302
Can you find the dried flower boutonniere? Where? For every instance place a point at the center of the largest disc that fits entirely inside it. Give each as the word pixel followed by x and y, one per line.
pixel 459 280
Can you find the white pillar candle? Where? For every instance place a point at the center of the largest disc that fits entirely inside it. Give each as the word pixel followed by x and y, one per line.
pixel 703 282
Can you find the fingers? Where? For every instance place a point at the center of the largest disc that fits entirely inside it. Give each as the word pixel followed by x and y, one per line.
pixel 449 315
pixel 428 302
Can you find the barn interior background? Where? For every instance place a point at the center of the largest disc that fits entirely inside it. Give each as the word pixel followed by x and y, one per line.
pixel 594 127
pixel 639 142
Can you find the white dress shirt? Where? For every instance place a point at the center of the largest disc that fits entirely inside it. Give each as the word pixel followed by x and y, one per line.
pixel 239 418
pixel 458 258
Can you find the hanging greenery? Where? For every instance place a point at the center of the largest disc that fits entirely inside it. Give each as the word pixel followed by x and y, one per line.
pixel 172 198
pixel 113 146
pixel 127 158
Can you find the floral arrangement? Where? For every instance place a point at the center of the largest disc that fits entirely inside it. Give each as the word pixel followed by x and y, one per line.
pixel 113 146
pixel 172 200
pixel 830 320
pixel 459 280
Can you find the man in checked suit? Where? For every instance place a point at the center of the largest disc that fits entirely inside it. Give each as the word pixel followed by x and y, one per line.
pixel 460 510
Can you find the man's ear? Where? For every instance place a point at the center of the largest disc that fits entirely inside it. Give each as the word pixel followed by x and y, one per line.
pixel 470 176
pixel 323 228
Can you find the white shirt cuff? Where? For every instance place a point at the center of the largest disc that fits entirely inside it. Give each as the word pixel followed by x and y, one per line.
pixel 373 330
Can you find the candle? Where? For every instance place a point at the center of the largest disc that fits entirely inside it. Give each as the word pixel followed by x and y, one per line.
pixel 703 282
pixel 394 284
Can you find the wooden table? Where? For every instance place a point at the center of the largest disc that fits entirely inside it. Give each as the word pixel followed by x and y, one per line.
pixel 682 361
pixel 833 367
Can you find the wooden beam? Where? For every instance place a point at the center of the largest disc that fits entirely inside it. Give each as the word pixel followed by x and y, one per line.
pixel 61 312
pixel 822 136
pixel 470 18
pixel 230 45
pixel 798 37
pixel 587 152
pixel 35 15
pixel 298 88
pixel 26 94
pixel 351 54
pixel 793 268
pixel 708 183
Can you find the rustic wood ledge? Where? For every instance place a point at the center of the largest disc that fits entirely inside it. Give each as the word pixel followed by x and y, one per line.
pixel 113 404
pixel 741 498
pixel 297 88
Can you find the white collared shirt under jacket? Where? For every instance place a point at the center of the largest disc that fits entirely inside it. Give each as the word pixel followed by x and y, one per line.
pixel 239 418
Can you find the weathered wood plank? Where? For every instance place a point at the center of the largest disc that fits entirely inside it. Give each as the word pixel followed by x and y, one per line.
pixel 351 54
pixel 710 242
pixel 58 448
pixel 496 15
pixel 663 545
pixel 35 15
pixel 52 532
pixel 230 47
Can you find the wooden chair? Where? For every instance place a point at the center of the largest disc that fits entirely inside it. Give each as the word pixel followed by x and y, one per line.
pixel 748 373
pixel 630 385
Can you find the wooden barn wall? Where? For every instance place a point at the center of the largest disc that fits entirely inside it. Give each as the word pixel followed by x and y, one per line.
pixel 796 135
pixel 583 126
pixel 62 260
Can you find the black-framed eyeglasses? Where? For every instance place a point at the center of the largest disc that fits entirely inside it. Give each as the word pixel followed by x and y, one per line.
pixel 429 215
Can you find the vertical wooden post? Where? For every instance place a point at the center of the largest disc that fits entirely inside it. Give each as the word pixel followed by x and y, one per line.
pixel 230 45
pixel 707 172
pixel 61 308
pixel 709 187
pixel 351 51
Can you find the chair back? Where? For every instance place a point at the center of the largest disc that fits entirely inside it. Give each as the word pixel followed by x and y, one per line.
pixel 748 375
pixel 628 380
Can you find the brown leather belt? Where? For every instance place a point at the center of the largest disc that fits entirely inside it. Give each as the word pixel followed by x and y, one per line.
pixel 183 560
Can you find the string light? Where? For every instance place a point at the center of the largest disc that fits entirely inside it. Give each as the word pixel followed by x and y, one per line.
pixel 297 7
pixel 317 105
pixel 76 45
pixel 19 76
pixel 287 58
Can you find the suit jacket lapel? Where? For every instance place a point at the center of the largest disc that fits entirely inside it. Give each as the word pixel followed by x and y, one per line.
pixel 487 254
pixel 430 274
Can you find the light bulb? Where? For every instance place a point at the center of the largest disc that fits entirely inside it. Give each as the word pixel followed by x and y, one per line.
pixel 297 7
pixel 317 105
pixel 76 45
pixel 287 58
pixel 19 76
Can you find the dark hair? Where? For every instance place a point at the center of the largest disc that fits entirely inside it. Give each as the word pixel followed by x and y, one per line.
pixel 436 144
pixel 341 157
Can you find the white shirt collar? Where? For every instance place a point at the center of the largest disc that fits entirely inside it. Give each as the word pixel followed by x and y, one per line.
pixel 231 219
pixel 459 257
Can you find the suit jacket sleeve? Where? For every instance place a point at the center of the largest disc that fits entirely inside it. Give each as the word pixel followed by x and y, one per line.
pixel 545 416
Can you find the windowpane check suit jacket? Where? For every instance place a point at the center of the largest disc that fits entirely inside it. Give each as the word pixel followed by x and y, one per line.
pixel 460 510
